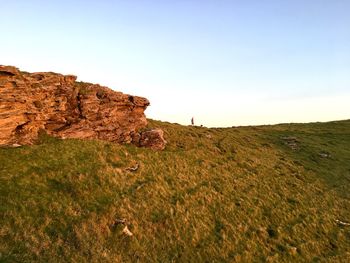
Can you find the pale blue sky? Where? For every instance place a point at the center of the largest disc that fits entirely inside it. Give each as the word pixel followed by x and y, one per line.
pixel 224 62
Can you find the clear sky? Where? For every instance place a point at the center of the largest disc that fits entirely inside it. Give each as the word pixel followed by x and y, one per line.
pixel 225 62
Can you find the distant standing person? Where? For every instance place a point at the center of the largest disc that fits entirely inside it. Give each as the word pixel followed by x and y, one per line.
pixel 192 121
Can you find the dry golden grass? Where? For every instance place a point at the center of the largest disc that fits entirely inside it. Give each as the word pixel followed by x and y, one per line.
pixel 214 195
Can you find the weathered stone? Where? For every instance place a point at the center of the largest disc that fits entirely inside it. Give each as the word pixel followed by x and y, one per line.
pixel 153 139
pixel 65 108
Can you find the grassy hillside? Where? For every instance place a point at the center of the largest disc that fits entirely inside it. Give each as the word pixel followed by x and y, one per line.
pixel 249 194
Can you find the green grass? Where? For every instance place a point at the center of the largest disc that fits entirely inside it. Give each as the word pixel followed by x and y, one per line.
pixel 213 195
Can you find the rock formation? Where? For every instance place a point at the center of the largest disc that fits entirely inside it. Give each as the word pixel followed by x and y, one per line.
pixel 65 108
pixel 153 139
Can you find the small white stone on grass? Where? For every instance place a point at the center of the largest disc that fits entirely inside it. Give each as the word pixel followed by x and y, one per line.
pixel 127 232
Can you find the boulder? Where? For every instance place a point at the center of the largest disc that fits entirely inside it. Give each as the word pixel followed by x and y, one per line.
pixel 153 139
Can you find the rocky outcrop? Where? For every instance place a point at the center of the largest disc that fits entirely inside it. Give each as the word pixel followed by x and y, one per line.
pixel 65 108
pixel 153 139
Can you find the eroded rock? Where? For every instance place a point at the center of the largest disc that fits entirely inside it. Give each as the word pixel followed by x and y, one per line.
pixel 153 139
pixel 65 108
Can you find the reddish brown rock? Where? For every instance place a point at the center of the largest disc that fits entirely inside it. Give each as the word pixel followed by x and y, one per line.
pixel 153 139
pixel 63 107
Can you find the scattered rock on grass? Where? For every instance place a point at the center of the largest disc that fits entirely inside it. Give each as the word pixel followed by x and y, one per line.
pixel 127 232
pixel 133 168
pixel 324 154
pixel 342 223
pixel 153 139
pixel 291 141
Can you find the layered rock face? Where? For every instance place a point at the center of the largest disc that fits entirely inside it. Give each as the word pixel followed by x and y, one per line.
pixel 65 108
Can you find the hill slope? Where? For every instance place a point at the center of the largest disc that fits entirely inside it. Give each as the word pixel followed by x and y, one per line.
pixel 250 194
